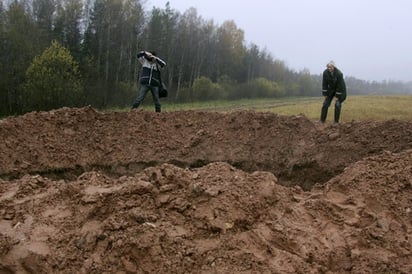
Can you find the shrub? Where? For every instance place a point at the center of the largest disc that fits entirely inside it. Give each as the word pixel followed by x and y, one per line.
pixel 52 80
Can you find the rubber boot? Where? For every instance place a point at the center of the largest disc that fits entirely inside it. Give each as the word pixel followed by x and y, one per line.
pixel 338 107
pixel 323 114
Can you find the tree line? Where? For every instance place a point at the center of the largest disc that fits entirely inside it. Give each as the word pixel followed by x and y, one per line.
pixel 58 53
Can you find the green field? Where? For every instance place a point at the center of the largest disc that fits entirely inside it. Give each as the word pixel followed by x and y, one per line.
pixel 374 107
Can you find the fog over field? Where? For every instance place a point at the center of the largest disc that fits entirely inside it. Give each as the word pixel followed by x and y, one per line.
pixel 367 39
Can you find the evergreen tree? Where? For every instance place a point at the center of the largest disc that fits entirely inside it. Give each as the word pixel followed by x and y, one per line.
pixel 19 45
pixel 67 26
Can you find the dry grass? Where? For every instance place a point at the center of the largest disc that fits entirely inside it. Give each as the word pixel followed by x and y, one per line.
pixel 373 107
pixel 356 108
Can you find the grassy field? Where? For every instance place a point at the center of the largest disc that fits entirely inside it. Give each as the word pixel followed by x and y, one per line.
pixel 376 107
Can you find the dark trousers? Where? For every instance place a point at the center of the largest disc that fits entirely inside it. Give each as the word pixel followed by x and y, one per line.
pixel 144 89
pixel 325 107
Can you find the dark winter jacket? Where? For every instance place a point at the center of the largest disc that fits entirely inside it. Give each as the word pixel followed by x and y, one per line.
pixel 333 84
pixel 150 73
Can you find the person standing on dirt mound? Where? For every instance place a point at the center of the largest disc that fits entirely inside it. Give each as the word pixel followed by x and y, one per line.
pixel 333 86
pixel 149 78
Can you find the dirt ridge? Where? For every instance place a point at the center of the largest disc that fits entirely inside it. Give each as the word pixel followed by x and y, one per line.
pixel 203 192
pixel 290 147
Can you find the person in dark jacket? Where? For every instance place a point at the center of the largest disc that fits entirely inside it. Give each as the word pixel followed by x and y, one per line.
pixel 149 78
pixel 333 86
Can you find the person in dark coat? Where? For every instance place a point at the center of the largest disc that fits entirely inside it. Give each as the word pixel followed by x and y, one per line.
pixel 333 86
pixel 149 78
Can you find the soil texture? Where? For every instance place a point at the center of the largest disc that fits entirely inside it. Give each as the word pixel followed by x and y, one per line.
pixel 84 191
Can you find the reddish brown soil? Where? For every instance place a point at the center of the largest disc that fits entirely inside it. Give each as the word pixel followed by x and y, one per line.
pixel 83 191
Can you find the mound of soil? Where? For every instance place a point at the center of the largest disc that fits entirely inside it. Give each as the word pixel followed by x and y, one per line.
pixel 202 192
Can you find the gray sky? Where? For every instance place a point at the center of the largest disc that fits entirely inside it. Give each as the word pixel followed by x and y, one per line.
pixel 368 39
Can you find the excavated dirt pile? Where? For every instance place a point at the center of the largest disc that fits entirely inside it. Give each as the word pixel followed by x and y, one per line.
pixel 83 191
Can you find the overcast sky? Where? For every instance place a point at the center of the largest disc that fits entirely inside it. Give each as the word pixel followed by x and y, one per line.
pixel 368 39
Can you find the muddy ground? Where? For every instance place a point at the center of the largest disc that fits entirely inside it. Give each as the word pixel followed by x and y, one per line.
pixel 83 191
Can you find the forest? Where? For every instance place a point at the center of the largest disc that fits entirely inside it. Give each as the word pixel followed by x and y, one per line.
pixel 56 53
